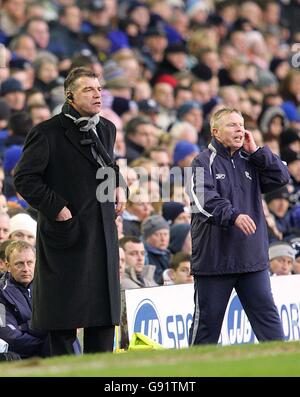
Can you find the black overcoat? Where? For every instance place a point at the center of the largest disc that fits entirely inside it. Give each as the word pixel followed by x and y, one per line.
pixel 76 277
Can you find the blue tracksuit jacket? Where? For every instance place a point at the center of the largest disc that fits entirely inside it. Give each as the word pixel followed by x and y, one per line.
pixel 15 301
pixel 223 187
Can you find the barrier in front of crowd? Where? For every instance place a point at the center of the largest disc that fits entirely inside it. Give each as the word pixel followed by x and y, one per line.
pixel 164 314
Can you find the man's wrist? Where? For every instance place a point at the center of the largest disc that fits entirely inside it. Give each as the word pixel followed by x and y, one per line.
pixel 254 150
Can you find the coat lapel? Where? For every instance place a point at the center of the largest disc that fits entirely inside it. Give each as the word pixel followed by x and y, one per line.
pixel 72 134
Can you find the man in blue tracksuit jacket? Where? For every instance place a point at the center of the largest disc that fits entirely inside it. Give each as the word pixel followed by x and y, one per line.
pixel 16 302
pixel 229 233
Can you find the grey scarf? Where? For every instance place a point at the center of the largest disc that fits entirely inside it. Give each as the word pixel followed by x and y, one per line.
pixel 89 125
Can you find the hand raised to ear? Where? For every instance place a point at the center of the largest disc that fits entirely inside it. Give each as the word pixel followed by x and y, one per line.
pixel 249 142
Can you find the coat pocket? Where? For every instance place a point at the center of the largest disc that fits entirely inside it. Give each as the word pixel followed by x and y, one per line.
pixel 61 234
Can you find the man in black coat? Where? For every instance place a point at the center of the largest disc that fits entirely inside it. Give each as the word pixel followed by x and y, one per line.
pixel 15 303
pixel 77 277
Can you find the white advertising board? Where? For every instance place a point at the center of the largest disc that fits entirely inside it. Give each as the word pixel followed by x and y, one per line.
pixel 164 314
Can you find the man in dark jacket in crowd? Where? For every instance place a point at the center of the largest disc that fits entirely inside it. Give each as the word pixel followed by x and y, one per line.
pixel 77 275
pixel 156 235
pixel 229 234
pixel 15 303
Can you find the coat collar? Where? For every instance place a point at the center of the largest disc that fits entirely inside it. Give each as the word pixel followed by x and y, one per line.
pixel 219 148
pixel 11 286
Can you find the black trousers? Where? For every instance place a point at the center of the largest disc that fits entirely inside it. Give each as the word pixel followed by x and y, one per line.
pixel 95 340
pixel 212 294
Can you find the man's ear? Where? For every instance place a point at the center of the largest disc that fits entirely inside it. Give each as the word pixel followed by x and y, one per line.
pixel 172 274
pixel 214 131
pixel 70 96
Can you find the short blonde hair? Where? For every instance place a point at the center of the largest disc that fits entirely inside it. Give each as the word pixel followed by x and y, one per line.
pixel 216 117
pixel 18 246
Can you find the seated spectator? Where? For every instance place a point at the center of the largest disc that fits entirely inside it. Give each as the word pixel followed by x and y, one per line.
pixel 290 139
pixel 13 93
pixel 273 233
pixel 137 275
pixel 15 296
pixel 121 264
pixel 293 162
pixel 184 131
pixel 3 264
pixel 180 238
pixel 191 112
pixel 156 234
pixel 39 113
pixel 184 153
pixel 179 271
pixel 138 208
pixel 4 116
pixel 11 156
pixel 282 257
pixel 119 224
pixel 141 134
pixel 4 226
pixel 295 243
pixel 23 227
pixel 175 213
pixel 278 204
pixel 273 121
pixel 3 203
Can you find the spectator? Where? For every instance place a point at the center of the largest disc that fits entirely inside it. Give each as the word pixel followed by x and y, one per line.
pixel 4 226
pixel 149 108
pixel 19 124
pixel 23 47
pixel 184 153
pixel 23 227
pixel 293 162
pixel 3 263
pixel 121 264
pixel 119 224
pixel 179 271
pixel 137 275
pixel 281 257
pixel 4 116
pixel 191 112
pixel 3 203
pixel 16 296
pixel 13 93
pixel 156 234
pixel 138 208
pixel 140 135
pixel 175 213
pixel 290 139
pixel 295 243
pixel 11 157
pixel 39 113
pixel 180 238
pixel 278 204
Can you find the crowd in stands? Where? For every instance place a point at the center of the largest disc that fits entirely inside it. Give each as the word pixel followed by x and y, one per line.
pixel 165 66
